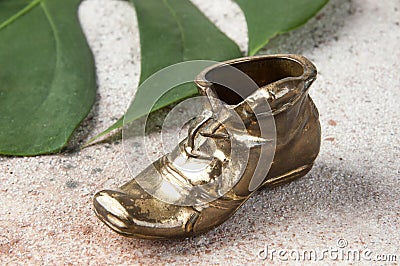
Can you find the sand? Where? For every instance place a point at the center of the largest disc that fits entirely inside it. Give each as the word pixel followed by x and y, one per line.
pixel 350 198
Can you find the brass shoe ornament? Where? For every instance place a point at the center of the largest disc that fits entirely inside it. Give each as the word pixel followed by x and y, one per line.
pixel 252 134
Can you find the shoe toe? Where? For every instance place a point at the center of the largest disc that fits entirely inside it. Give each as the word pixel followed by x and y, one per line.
pixel 144 217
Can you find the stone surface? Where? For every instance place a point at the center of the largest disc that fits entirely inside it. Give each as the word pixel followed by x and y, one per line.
pixel 352 193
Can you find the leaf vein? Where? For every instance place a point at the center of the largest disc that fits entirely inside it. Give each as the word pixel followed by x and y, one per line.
pixel 19 14
pixel 55 34
pixel 174 15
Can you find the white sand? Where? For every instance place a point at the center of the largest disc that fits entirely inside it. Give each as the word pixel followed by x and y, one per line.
pixel 46 214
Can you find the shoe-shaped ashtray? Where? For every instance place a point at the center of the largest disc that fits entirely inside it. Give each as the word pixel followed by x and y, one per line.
pixel 197 202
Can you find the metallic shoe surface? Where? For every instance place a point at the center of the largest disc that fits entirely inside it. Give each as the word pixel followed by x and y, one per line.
pixel 204 180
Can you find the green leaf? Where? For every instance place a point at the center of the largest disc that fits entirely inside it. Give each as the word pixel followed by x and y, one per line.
pixel 173 31
pixel 47 77
pixel 268 18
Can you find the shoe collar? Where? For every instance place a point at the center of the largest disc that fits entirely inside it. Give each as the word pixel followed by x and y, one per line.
pixel 281 80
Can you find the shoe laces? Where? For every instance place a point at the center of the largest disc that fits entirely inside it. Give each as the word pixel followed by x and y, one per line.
pixel 194 131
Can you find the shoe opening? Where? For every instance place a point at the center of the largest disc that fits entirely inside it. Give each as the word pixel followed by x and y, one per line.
pixel 231 81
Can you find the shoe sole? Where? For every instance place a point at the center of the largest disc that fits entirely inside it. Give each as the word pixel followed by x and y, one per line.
pixel 287 177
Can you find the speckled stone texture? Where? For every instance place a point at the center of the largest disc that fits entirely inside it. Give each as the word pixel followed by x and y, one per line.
pixel 352 193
